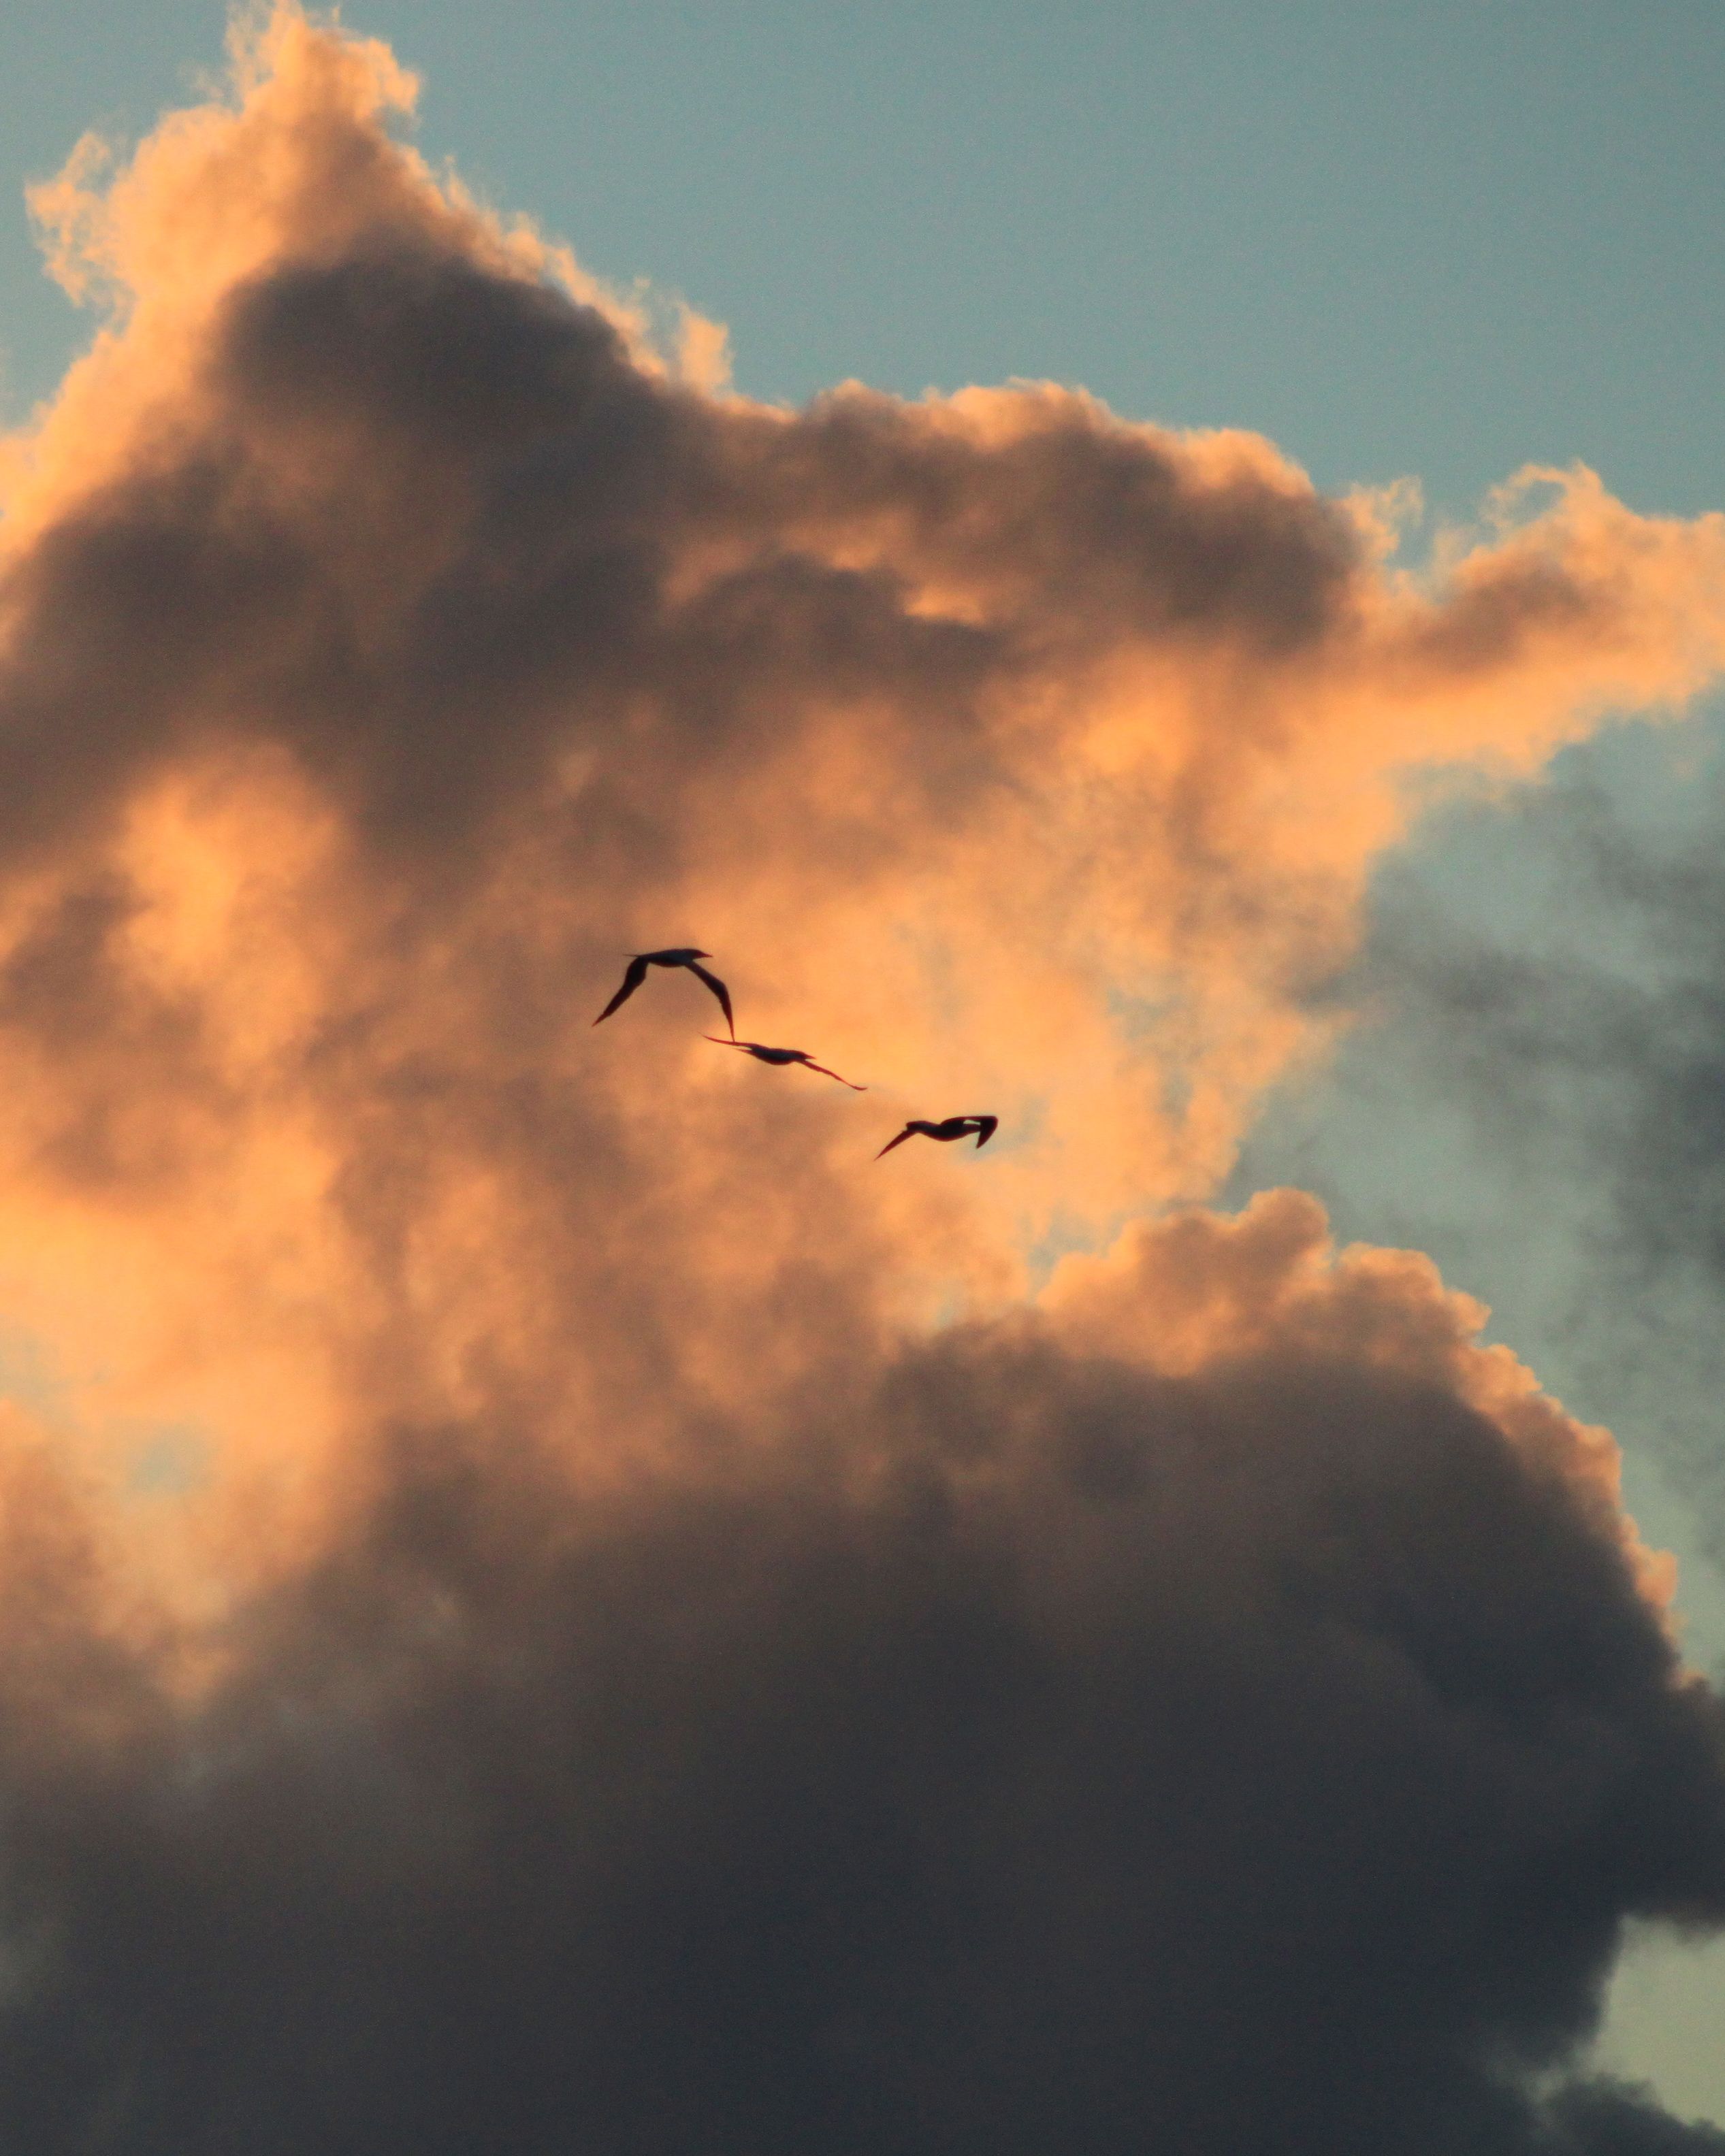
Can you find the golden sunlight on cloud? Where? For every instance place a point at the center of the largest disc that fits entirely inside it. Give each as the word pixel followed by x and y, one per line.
pixel 388 645
pixel 391 641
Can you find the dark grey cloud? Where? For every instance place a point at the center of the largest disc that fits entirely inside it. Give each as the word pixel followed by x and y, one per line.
pixel 1566 1032
pixel 633 1683
pixel 1603 2120
pixel 1264 1761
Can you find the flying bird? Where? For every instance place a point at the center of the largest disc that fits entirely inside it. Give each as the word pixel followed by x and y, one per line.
pixel 637 973
pixel 782 1055
pixel 954 1126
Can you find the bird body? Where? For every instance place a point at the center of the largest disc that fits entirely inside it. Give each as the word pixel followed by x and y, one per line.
pixel 983 1127
pixel 780 1057
pixel 691 958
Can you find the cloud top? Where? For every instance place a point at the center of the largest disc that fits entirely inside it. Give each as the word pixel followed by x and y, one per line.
pixel 671 1650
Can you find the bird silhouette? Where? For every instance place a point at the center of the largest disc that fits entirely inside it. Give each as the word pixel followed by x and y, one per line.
pixel 783 1055
pixel 954 1126
pixel 637 973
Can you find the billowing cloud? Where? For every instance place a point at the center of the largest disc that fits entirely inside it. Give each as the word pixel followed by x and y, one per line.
pixel 665 1648
pixel 1571 1038
pixel 1035 1750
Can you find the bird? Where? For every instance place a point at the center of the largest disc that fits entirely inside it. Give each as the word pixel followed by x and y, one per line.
pixel 783 1055
pixel 954 1126
pixel 636 974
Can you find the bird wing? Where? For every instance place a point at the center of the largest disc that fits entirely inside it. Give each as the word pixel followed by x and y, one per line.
pixel 986 1126
pixel 907 1133
pixel 826 1073
pixel 631 981
pixel 719 989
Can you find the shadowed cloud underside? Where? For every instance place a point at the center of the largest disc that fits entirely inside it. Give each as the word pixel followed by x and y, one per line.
pixel 629 1679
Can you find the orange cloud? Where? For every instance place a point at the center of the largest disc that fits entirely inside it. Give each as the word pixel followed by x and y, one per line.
pixel 390 640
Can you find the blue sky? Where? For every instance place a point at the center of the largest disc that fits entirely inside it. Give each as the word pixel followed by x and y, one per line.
pixel 1442 242
pixel 1446 240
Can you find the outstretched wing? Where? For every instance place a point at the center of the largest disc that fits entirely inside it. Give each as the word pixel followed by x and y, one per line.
pixel 986 1126
pixel 826 1073
pixel 719 989
pixel 631 981
pixel 907 1133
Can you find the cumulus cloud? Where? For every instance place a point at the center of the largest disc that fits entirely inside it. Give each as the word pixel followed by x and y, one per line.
pixel 1571 1033
pixel 673 1651
pixel 1038 1749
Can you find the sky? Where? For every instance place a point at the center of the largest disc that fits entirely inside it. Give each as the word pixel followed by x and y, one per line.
pixel 1440 241
pixel 553 1598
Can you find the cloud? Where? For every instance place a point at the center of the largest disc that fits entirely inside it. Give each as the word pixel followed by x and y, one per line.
pixel 673 1650
pixel 993 719
pixel 1564 1019
pixel 1036 1748
pixel 1602 2121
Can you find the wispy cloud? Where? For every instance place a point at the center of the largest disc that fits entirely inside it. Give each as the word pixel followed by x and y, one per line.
pixel 629 1678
